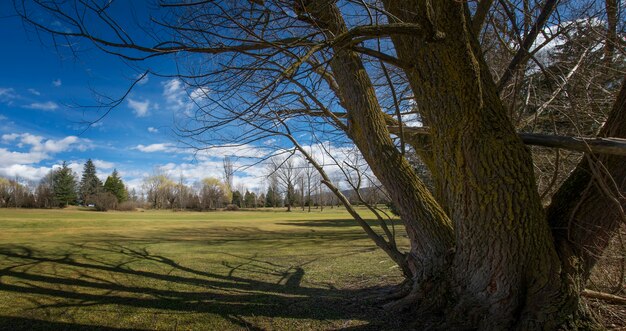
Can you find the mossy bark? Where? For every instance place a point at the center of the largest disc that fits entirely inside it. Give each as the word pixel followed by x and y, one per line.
pixel 507 271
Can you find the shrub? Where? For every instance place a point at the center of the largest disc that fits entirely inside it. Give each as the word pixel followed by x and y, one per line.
pixel 127 206
pixel 231 207
pixel 103 201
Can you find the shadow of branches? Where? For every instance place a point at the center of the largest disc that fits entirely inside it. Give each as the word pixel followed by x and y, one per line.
pixel 108 273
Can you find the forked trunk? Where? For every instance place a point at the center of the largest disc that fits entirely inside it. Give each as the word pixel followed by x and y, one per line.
pixel 502 269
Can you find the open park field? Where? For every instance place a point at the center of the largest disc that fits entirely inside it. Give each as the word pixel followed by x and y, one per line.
pixel 73 269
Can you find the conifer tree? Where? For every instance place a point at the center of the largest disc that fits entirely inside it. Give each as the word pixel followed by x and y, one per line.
pixel 115 185
pixel 64 186
pixel 90 184
pixel 249 199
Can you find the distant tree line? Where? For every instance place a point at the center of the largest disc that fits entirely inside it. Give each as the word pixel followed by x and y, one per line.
pixel 61 188
pixel 290 183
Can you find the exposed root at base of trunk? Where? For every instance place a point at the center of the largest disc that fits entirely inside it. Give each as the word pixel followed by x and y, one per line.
pixel 400 291
pixel 392 293
pixel 431 305
pixel 405 299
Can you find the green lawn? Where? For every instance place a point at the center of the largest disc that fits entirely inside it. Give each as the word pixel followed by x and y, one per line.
pixel 72 269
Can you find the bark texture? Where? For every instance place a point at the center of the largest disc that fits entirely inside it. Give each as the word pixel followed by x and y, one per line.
pixel 484 177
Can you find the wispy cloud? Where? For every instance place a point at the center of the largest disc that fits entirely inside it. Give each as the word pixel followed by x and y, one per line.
pixel 34 92
pixel 57 82
pixel 7 94
pixel 153 130
pixel 176 96
pixel 47 106
pixel 140 108
pixel 163 147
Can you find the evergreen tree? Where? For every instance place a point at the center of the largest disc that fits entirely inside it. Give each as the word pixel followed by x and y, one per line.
pixel 271 198
pixel 115 185
pixel 90 184
pixel 64 186
pixel 249 199
pixel 237 199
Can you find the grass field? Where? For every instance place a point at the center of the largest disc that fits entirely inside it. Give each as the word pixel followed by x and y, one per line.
pixel 73 269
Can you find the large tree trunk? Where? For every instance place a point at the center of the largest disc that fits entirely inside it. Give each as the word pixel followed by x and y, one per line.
pixel 506 270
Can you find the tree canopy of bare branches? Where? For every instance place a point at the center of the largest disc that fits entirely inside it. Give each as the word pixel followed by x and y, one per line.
pixel 484 250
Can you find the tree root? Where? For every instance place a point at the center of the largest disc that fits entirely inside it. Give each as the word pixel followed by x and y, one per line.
pixel 393 293
pixel 409 299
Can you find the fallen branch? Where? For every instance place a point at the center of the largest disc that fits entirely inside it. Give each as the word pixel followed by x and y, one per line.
pixel 604 296
pixel 613 146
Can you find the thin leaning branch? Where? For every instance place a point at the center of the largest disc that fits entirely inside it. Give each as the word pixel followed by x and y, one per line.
pixel 523 54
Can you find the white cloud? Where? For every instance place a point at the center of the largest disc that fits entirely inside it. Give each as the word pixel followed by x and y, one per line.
pixel 75 166
pixel 176 96
pixel 49 105
pixel 10 137
pixel 172 89
pixel 8 158
pixel 24 171
pixel 103 164
pixel 163 147
pixel 30 139
pixel 199 93
pixel 33 91
pixel 153 130
pixel 140 108
pixel 57 82
pixel 135 184
pixel 41 145
pixel 56 146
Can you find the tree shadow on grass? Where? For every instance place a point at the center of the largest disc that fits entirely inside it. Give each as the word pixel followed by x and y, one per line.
pixel 20 323
pixel 100 274
pixel 334 223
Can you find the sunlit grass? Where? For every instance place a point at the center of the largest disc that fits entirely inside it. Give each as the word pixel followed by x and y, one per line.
pixel 187 270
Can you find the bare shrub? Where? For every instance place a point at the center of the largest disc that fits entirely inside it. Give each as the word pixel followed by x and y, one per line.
pixel 127 206
pixel 231 207
pixel 103 201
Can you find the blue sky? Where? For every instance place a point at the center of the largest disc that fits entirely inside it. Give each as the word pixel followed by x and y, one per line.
pixel 43 94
